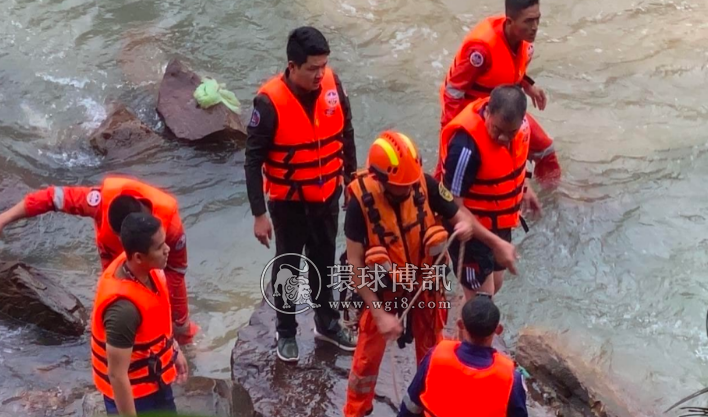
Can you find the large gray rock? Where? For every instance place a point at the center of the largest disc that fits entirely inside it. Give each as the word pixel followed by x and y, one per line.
pixel 183 116
pixel 29 296
pixel 122 135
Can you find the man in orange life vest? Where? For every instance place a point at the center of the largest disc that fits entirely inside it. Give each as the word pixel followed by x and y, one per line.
pixel 301 140
pixel 484 149
pixel 135 360
pixel 108 204
pixel 468 377
pixel 497 51
pixel 391 226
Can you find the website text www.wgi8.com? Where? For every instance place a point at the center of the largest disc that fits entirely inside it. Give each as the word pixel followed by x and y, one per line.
pixel 392 305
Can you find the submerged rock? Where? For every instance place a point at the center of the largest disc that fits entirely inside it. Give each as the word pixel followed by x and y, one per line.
pixel 29 296
pixel 185 119
pixel 568 383
pixel 123 134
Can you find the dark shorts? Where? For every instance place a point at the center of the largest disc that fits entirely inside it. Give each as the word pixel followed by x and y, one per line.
pixel 479 260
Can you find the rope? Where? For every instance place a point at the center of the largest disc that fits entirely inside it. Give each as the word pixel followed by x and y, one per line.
pixel 460 261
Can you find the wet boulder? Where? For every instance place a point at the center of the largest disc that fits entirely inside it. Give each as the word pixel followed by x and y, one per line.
pixel 563 379
pixel 200 396
pixel 31 297
pixel 123 135
pixel 183 116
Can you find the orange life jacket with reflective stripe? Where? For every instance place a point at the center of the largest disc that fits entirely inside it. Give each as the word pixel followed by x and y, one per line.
pixel 451 386
pixel 152 360
pixel 164 207
pixel 496 194
pixel 305 160
pixel 402 235
pixel 505 67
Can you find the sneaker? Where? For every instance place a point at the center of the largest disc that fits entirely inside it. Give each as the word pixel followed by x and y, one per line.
pixel 342 338
pixel 287 350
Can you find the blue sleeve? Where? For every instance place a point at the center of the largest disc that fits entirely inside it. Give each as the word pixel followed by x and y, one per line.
pixel 461 164
pixel 517 399
pixel 411 406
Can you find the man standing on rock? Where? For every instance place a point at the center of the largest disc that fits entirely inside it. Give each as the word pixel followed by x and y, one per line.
pixel 391 226
pixel 301 139
pixel 108 205
pixel 135 359
pixel 469 377
pixel 495 52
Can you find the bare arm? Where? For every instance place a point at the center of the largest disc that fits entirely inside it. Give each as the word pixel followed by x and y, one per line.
pixel 118 363
pixel 355 256
pixel 13 214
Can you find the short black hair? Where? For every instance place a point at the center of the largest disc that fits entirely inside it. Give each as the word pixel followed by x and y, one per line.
pixel 515 7
pixel 480 316
pixel 509 101
pixel 304 42
pixel 137 231
pixel 120 208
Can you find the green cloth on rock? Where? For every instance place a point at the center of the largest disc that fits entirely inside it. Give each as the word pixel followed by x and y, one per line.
pixel 210 93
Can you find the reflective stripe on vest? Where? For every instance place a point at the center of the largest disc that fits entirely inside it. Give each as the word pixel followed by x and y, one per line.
pixel 401 236
pixel 152 360
pixel 305 160
pixel 450 383
pixel 164 207
pixel 504 67
pixel 496 194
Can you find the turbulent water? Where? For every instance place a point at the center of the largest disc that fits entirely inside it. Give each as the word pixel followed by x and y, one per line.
pixel 619 260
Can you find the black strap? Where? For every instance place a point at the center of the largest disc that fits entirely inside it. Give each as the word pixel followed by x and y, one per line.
pixel 309 181
pixel 138 346
pixel 493 215
pixel 495 197
pixel 524 224
pixel 419 200
pixel 286 164
pixel 373 214
pixel 306 145
pixel 495 181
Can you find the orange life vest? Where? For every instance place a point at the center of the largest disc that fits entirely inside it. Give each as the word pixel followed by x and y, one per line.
pixel 305 160
pixel 152 360
pixel 496 194
pixel 402 235
pixel 506 67
pixel 451 386
pixel 164 207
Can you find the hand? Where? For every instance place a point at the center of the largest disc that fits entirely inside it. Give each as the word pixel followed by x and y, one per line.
pixel 464 230
pixel 389 326
pixel 263 230
pixel 530 203
pixel 182 368
pixel 538 97
pixel 505 255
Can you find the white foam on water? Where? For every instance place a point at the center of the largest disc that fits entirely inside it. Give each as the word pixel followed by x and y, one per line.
pixel 35 118
pixel 72 159
pixel 95 112
pixel 65 80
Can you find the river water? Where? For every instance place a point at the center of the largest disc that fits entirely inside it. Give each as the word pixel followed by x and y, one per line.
pixel 618 262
